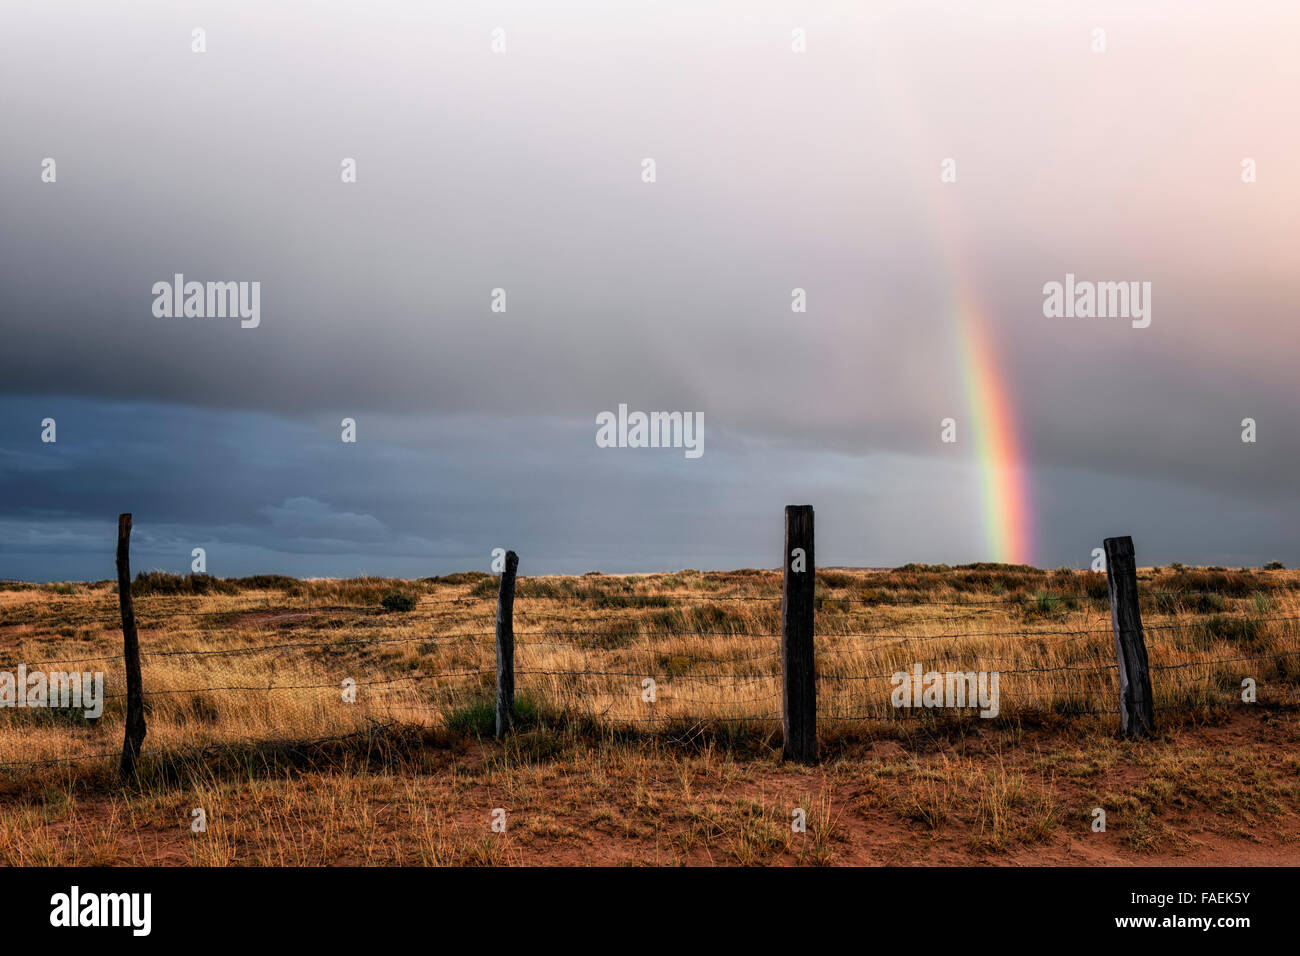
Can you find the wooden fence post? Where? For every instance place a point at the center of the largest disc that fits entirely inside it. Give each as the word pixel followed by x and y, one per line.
pixel 135 727
pixel 1137 715
pixel 506 646
pixel 797 664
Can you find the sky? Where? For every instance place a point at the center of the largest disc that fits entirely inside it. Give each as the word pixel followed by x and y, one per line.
pixel 523 169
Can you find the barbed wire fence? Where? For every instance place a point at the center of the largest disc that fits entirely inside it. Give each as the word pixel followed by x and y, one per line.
pixel 784 665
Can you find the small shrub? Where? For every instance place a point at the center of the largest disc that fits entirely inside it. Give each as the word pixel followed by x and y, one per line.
pixel 674 665
pixel 161 582
pixel 643 600
pixel 489 586
pixel 1045 602
pixel 1275 566
pixel 1167 603
pixel 269 582
pixel 1243 631
pixel 611 634
pixel 479 718
pixel 672 620
pixel 1209 603
pixel 836 579
pixel 458 578
pixel 398 601
pixel 1096 587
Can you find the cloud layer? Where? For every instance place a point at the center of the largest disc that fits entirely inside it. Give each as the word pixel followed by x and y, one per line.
pixel 522 171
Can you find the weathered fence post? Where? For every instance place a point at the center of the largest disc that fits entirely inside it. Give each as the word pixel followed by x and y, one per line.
pixel 797 665
pixel 135 727
pixel 506 646
pixel 1137 714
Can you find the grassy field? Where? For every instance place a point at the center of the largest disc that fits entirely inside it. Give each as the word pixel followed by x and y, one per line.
pixel 247 721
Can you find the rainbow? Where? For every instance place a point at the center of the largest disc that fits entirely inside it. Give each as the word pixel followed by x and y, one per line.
pixel 1005 491
pixel 1005 494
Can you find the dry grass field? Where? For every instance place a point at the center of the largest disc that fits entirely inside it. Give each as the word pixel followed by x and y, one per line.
pixel 247 720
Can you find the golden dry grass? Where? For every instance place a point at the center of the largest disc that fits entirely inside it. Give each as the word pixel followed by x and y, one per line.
pixel 587 739
pixel 271 663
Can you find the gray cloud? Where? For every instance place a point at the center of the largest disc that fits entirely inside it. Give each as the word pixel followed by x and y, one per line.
pixel 521 171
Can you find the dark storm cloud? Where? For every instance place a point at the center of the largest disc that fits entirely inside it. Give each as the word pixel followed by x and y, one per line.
pixel 522 171
pixel 262 494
